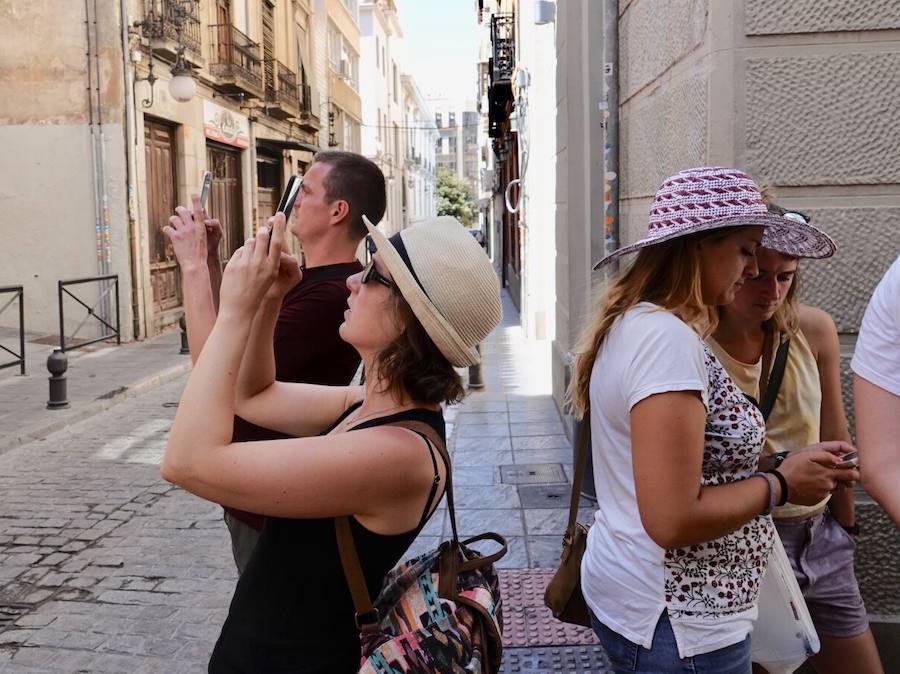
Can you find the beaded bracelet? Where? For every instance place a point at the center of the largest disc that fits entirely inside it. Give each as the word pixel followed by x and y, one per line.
pixel 770 482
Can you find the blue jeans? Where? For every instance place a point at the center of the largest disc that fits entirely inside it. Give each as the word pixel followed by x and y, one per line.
pixel 662 656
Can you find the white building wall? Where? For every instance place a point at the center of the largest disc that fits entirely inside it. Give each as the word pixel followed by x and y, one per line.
pixel 536 121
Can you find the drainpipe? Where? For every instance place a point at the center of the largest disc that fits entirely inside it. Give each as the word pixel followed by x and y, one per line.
pixel 95 161
pixel 101 198
pixel 609 108
pixel 131 205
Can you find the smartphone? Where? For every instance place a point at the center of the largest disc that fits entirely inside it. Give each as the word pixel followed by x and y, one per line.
pixel 205 184
pixel 288 197
pixel 849 460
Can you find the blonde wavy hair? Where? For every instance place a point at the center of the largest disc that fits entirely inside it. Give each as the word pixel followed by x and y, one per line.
pixel 666 274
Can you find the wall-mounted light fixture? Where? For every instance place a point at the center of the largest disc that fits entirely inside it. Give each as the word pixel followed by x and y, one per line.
pixel 182 86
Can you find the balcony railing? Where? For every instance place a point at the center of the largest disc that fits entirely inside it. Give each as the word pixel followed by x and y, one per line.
pixel 500 68
pixel 504 47
pixel 281 87
pixel 235 59
pixel 167 17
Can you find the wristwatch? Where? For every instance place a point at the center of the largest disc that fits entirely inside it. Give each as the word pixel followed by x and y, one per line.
pixel 779 458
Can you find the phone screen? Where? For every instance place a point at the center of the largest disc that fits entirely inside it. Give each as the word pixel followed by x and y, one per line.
pixel 205 184
pixel 286 195
pixel 849 460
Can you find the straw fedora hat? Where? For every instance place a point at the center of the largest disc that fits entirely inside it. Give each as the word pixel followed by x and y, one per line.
pixel 712 197
pixel 448 282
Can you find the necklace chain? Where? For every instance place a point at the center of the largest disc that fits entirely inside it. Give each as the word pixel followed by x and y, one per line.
pixel 355 420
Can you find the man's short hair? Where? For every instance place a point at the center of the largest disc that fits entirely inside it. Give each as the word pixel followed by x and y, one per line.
pixel 358 181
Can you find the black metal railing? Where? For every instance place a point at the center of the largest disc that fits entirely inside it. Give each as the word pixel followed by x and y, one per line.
pixel 233 53
pixel 283 88
pixel 105 288
pixel 17 294
pixel 503 62
pixel 167 18
pixel 187 13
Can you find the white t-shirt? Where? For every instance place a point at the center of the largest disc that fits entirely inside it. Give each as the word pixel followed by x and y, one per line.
pixel 710 589
pixel 877 355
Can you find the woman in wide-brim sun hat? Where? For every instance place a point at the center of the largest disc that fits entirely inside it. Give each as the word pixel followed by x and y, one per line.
pixel 766 319
pixel 426 298
pixel 682 533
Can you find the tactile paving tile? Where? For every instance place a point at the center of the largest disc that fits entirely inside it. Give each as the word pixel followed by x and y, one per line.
pixel 551 659
pixel 526 621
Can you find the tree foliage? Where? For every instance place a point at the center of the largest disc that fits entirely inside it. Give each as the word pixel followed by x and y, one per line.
pixel 454 197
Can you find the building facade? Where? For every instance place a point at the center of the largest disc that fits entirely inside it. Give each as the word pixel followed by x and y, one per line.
pixel 421 141
pixel 518 93
pixel 383 135
pixel 274 83
pixel 457 147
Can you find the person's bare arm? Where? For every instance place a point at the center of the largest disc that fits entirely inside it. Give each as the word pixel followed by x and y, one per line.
pixel 878 439
pixel 822 335
pixel 188 236
pixel 667 439
pixel 383 476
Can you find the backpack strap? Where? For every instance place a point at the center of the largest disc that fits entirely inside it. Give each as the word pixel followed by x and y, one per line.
pixel 367 616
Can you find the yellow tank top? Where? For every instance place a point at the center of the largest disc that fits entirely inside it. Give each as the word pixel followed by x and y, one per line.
pixel 795 419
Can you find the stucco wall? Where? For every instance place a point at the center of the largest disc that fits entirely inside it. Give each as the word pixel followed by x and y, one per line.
pixel 48 216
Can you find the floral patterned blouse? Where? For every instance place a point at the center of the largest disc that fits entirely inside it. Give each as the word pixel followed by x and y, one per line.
pixel 710 589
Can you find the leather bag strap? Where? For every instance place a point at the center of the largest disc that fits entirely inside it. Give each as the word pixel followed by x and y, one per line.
pixel 775 378
pixel 581 450
pixel 367 617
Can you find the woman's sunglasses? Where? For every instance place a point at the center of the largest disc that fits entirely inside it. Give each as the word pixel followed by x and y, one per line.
pixel 369 272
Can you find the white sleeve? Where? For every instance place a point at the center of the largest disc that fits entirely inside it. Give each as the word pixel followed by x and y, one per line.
pixel 666 355
pixel 877 354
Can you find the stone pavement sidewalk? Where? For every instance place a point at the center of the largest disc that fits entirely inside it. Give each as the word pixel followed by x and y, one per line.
pixel 97 378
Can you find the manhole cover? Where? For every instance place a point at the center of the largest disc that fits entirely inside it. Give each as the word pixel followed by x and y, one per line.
pixel 550 659
pixel 530 473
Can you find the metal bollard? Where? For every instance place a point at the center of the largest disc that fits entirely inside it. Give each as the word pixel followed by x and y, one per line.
pixel 185 349
pixel 475 379
pixel 57 364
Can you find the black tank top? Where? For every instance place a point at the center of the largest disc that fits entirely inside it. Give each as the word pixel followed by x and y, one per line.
pixel 292 610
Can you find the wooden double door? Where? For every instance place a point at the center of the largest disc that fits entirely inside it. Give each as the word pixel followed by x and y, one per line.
pixel 225 203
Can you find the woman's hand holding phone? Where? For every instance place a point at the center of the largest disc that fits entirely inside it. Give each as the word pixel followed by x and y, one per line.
pixel 258 270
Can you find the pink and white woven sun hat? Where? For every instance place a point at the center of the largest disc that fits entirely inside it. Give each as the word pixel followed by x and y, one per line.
pixel 712 197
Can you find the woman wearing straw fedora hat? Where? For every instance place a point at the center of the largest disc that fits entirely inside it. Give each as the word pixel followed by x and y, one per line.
pixel 786 355
pixel 682 534
pixel 292 609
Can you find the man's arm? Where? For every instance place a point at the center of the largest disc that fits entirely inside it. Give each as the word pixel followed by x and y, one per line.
pixel 878 440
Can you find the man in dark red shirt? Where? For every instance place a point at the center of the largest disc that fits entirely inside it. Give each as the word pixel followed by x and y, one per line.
pixel 337 190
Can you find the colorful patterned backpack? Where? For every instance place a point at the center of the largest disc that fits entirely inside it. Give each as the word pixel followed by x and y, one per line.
pixel 438 612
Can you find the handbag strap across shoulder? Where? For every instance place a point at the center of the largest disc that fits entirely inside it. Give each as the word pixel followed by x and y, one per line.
pixel 367 617
pixel 581 450
pixel 774 378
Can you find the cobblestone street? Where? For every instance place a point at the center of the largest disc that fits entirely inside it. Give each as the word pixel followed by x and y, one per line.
pixel 104 567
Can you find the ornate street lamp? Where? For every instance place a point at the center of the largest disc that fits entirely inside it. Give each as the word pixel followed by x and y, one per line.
pixel 182 86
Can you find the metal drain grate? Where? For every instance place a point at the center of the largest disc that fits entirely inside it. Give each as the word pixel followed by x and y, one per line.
pixel 531 473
